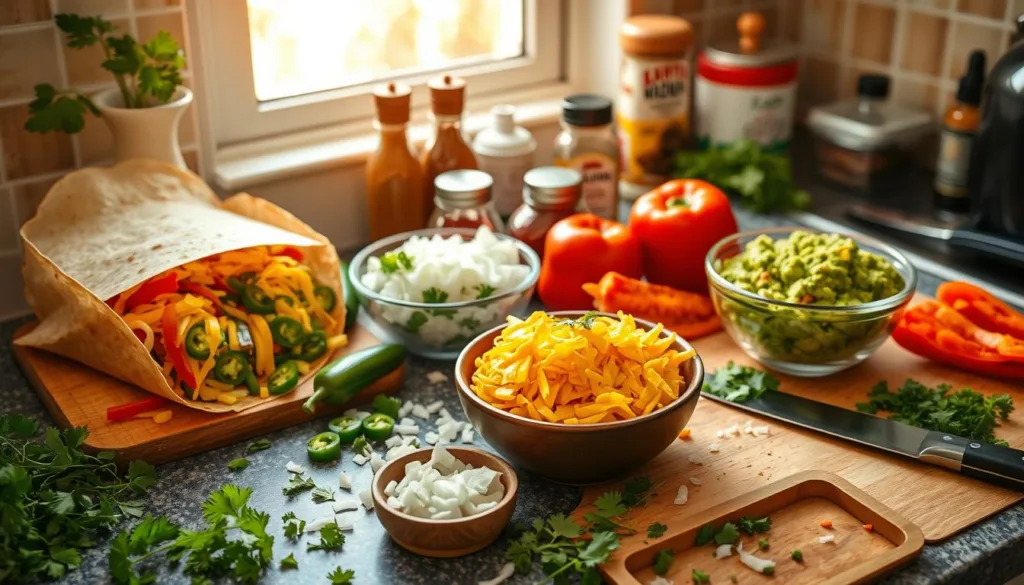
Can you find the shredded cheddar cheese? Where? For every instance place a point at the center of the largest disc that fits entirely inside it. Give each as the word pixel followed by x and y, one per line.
pixel 592 370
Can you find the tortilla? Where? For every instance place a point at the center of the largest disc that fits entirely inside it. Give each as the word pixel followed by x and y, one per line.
pixel 101 231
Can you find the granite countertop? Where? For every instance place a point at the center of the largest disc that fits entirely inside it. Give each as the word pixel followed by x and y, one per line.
pixel 990 552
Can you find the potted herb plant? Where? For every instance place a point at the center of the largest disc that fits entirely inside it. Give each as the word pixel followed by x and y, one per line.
pixel 142 111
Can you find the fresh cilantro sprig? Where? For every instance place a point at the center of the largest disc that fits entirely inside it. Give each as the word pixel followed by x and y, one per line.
pixel 586 321
pixel 289 562
pixel 434 295
pixel 55 499
pixel 484 291
pixel 146 74
pixel 293 526
pixel 321 495
pixel 234 544
pixel 361 446
pixel 699 577
pixel 257 445
pixel 965 412
pixel 737 383
pixel 297 484
pixel 341 576
pixel 656 530
pixel 331 539
pixel 749 525
pixel 238 464
pixel 663 561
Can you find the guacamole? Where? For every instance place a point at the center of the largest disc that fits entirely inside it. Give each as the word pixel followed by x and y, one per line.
pixel 811 268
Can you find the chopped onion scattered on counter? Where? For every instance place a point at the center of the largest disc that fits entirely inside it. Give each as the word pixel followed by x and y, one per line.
pixel 732 431
pixel 756 563
pixel 359 459
pixel 467 435
pixel 394 440
pixel 431 437
pixel 436 377
pixel 399 451
pixel 695 460
pixel 345 504
pixel 696 481
pixel 659 580
pixel 763 430
pixel 294 467
pixel 719 434
pixel 723 551
pixel 420 411
pixel 827 539
pixel 682 495
pixel 406 430
pixel 359 414
pixel 366 498
pixel 506 571
pixel 406 421
pixel 376 462
pixel 436 405
pixel 713 447
pixel 405 409
pixel 345 480
pixel 446 488
pixel 316 525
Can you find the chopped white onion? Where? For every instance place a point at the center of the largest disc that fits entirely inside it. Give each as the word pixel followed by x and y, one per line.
pixel 467 435
pixel 359 459
pixel 405 409
pixel 507 570
pixel 431 437
pixel 319 523
pixel 436 377
pixel 682 495
pixel 713 447
pixel 756 563
pixel 345 504
pixel 366 498
pixel 719 434
pixel 659 580
pixel 375 461
pixel 393 441
pixel 762 430
pixel 294 467
pixel 408 421
pixel 827 538
pixel 695 460
pixel 723 551
pixel 344 480
pixel 696 481
pixel 407 429
pixel 436 405
pixel 420 411
pixel 389 490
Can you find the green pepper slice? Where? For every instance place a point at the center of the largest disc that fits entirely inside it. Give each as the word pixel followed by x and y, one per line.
pixel 313 346
pixel 251 383
pixel 326 297
pixel 287 332
pixel 231 367
pixel 283 379
pixel 378 426
pixel 288 300
pixel 238 283
pixel 231 298
pixel 195 342
pixel 324 447
pixel 257 300
pixel 346 427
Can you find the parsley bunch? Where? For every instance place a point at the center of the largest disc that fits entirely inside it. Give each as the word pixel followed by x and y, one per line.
pixel 761 179
pixel 55 499
pixel 558 541
pixel 965 412
pixel 208 554
pixel 737 383
pixel 147 74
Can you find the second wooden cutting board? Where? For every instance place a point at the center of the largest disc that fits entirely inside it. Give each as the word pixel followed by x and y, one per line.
pixel 940 502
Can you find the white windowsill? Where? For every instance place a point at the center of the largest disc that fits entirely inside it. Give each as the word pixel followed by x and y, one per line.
pixel 272 159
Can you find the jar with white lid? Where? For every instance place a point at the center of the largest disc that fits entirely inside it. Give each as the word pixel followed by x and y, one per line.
pixel 746 89
pixel 505 152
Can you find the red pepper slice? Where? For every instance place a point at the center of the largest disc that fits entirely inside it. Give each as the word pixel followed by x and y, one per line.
pixel 221 284
pixel 198 289
pixel 175 352
pixel 690 315
pixel 123 412
pixel 151 289
pixel 939 333
pixel 293 253
pixel 983 308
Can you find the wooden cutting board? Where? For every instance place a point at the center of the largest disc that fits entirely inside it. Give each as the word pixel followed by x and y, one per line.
pixel 796 506
pixel 941 502
pixel 77 395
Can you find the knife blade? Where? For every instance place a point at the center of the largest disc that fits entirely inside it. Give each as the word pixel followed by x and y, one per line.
pixel 1002 466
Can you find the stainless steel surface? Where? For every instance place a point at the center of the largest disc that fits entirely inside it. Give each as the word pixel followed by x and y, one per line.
pixel 904 222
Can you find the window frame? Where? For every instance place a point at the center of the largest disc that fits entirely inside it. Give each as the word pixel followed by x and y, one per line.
pixel 236 117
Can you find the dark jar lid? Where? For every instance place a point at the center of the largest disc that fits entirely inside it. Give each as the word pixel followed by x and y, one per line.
pixel 552 188
pixel 463 188
pixel 587 109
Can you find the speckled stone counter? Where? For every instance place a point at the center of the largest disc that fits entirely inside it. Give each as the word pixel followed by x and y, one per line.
pixel 989 553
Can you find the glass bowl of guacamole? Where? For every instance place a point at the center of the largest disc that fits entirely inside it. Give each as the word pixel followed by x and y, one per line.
pixel 808 303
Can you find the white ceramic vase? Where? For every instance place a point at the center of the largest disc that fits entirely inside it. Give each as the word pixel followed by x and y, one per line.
pixel 144 132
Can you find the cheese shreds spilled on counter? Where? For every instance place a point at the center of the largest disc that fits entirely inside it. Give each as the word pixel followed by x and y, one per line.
pixel 590 370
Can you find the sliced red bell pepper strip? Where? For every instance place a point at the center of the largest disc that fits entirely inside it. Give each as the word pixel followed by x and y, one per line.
pixel 173 346
pixel 293 253
pixel 982 308
pixel 151 289
pixel 198 289
pixel 690 315
pixel 221 284
pixel 123 412
pixel 936 332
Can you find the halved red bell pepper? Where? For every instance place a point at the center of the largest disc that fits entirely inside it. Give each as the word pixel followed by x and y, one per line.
pixel 123 412
pixel 689 314
pixel 151 289
pixel 173 347
pixel 937 332
pixel 983 308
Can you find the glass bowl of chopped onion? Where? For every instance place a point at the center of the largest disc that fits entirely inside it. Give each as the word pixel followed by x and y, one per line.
pixel 434 290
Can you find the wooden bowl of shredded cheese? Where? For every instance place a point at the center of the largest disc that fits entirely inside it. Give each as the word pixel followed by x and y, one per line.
pixel 579 397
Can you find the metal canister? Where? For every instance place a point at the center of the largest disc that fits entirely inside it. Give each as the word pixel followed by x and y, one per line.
pixel 746 89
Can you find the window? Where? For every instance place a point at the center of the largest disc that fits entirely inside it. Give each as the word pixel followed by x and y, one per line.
pixel 279 66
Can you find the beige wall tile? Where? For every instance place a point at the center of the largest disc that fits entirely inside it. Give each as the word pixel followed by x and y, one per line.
pixel 27 153
pixel 8 223
pixel 822 28
pixel 83 65
pixel 926 96
pixel 817 86
pixel 12 287
pixel 148 4
pixel 924 40
pixel 148 26
pixel 89 7
pixel 22 11
pixel 987 8
pixel 968 37
pixel 874 26
pixel 27 197
pixel 26 59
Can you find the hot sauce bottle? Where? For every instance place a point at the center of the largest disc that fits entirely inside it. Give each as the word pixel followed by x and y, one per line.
pixel 446 149
pixel 394 180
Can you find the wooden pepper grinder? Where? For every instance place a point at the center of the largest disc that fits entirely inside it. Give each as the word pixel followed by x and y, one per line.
pixel 750 25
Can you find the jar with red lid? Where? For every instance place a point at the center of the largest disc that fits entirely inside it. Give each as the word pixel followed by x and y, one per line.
pixel 462 199
pixel 746 89
pixel 551 194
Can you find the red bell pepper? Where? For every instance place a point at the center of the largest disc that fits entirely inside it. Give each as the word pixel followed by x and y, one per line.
pixel 173 346
pixel 151 289
pixel 580 249
pixel 676 224
pixel 939 333
pixel 689 314
pixel 982 308
pixel 123 412
pixel 293 253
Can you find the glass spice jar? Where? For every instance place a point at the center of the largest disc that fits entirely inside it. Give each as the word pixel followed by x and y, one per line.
pixel 462 199
pixel 550 195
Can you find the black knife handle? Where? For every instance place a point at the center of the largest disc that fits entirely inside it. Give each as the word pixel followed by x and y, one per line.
pixel 994 464
pixel 1006 248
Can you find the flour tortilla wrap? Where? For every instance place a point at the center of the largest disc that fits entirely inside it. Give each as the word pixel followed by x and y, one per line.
pixel 101 231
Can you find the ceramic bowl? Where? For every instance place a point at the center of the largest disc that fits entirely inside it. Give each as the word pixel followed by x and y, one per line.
pixel 445 538
pixel 577 454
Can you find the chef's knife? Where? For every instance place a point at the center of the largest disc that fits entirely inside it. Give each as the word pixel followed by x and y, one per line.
pixel 952 233
pixel 991 463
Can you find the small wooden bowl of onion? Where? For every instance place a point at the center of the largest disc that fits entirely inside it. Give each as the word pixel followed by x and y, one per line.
pixel 445 538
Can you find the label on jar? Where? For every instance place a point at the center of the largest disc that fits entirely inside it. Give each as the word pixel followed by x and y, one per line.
pixel 954 161
pixel 507 172
pixel 651 114
pixel 727 113
pixel 600 182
